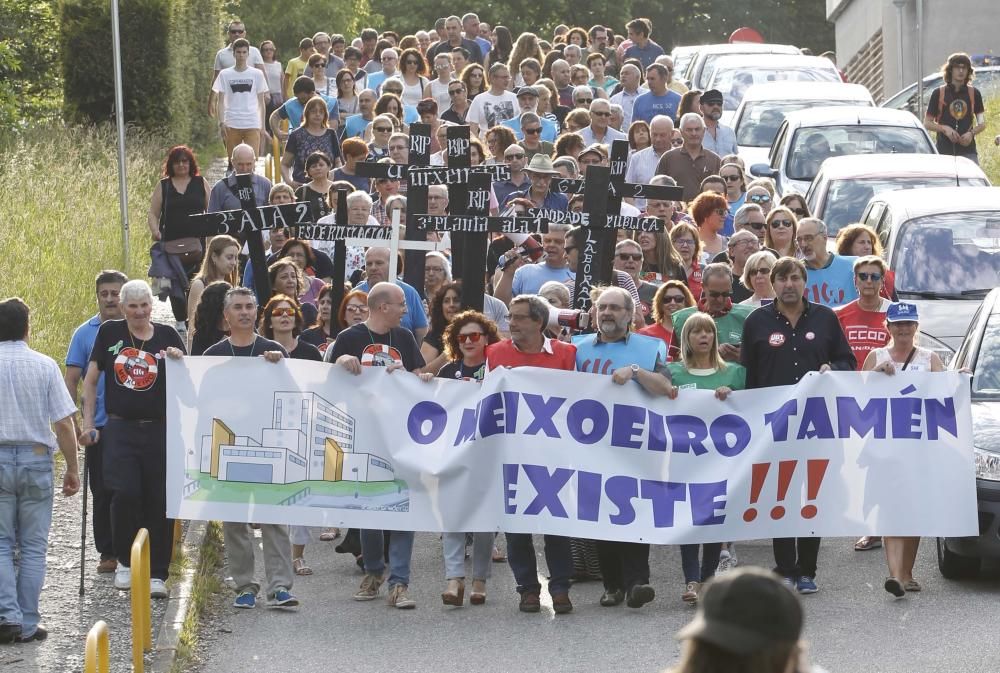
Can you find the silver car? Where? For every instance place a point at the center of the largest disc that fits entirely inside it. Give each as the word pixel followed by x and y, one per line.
pixel 701 68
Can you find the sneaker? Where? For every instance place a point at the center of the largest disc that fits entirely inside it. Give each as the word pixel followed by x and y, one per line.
pixel 398 598
pixel 123 578
pixel 690 594
pixel 789 582
pixel 612 598
pixel 369 588
pixel 639 595
pixel 107 566
pixel 282 599
pixel 530 602
pixel 246 600
pixel 158 588
pixel 561 604
pixel 726 562
pixel 806 585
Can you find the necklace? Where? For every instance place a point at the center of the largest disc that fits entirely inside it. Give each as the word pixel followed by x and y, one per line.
pixel 142 343
pixel 233 350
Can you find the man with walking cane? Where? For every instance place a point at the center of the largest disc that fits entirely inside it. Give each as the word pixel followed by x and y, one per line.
pixel 109 284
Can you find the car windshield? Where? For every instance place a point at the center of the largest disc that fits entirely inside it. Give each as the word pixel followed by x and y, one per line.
pixel 845 200
pixel 948 254
pixel 986 372
pixel 811 146
pixel 733 83
pixel 682 62
pixel 987 81
pixel 759 122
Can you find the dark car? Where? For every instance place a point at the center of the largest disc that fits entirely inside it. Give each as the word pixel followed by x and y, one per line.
pixel 960 557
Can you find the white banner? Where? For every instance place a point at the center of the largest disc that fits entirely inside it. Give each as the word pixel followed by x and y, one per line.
pixel 544 451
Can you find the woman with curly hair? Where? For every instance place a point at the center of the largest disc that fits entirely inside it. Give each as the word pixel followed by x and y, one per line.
pixel 209 323
pixel 413 71
pixel 526 47
pixel 577 36
pixel 498 139
pixel 568 145
pixel 445 305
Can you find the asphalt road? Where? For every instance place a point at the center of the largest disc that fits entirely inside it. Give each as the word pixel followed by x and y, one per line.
pixel 852 624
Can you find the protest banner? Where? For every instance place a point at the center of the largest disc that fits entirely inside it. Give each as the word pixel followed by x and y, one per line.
pixel 569 453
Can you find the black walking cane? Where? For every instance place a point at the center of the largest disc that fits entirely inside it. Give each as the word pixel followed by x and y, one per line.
pixel 83 525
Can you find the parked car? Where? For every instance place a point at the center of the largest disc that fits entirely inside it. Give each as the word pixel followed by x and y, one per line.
pixel 734 75
pixel 980 352
pixel 809 137
pixel 764 107
pixel 844 185
pixel 985 78
pixel 701 68
pixel 943 244
pixel 683 56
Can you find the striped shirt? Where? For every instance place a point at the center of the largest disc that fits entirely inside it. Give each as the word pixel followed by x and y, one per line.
pixel 34 396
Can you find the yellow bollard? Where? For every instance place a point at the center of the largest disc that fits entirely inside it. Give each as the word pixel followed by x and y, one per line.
pixel 142 624
pixel 97 656
pixel 275 159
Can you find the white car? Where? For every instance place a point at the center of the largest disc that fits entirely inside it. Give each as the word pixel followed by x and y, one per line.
pixel 683 57
pixel 845 185
pixel 808 137
pixel 703 65
pixel 734 75
pixel 764 107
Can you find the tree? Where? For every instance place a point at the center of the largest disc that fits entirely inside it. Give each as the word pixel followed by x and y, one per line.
pixel 29 62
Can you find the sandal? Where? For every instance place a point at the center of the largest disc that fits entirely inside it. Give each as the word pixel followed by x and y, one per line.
pixel 300 567
pixel 911 585
pixel 868 542
pixel 329 535
pixel 498 556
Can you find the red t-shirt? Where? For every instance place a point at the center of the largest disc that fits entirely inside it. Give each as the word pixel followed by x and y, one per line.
pixel 660 332
pixel 505 354
pixel 865 330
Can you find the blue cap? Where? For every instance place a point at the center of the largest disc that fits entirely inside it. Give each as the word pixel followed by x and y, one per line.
pixel 902 312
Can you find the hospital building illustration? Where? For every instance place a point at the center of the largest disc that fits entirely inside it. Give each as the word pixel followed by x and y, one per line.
pixel 309 439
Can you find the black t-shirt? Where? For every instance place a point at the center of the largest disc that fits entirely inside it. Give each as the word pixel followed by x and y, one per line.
pixel 305 351
pixel 324 265
pixel 459 371
pixel 956 104
pixel 377 350
pixel 259 346
pixel 317 337
pixel 435 340
pixel 135 386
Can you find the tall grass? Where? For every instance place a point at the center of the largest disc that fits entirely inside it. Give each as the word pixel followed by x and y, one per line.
pixel 989 154
pixel 60 222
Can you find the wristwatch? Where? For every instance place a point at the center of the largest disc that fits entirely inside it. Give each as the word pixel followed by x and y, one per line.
pixel 635 370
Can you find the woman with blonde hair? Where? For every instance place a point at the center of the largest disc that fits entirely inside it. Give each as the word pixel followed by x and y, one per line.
pixel 221 262
pixel 780 232
pixel 525 47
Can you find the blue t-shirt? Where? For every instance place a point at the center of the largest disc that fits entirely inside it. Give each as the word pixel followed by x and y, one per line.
pixel 415 317
pixel 649 105
pixel 354 127
pixel 646 55
pixel 833 285
pixel 529 278
pixel 552 200
pixel 78 355
pixel 291 110
pixel 549 128
pixel 728 228
pixel 595 357
pixel 364 184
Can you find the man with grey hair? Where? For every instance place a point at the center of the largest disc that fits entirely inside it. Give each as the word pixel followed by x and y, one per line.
pixel 717 301
pixel 690 163
pixel 599 130
pixel 751 217
pixel 631 79
pixel 739 247
pixel 831 276
pixel 573 54
pixel 390 62
pixel 617 116
pixel 642 165
pixel 614 350
pixel 583 96
pixel 528 346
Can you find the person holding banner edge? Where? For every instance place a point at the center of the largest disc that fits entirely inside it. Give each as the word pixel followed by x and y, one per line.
pixel 626 356
pixel 781 343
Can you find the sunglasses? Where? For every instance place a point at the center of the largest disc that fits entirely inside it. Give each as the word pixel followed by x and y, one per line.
pixel 756 225
pixel 624 256
pixel 516 155
pixel 762 271
pixel 584 100
pixel 869 276
pixel 474 337
pixel 673 299
pixel 383 129
pixel 759 198
pixel 800 212
pixel 776 223
pixel 677 142
pixel 731 178
pixel 321 64
pixel 601 114
pixel 533 131
pixel 714 294
pixel 287 311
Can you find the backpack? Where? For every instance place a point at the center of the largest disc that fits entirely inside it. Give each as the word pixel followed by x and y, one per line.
pixel 941 91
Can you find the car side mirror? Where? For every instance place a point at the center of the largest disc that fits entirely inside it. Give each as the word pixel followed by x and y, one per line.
pixel 763 171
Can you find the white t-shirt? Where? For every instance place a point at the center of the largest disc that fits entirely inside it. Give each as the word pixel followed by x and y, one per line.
pixel 488 110
pixel 239 92
pixel 273 73
pixel 412 94
pixel 224 57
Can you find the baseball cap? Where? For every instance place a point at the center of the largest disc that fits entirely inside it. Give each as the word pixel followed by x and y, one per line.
pixel 527 91
pixel 594 148
pixel 902 312
pixel 712 96
pixel 744 611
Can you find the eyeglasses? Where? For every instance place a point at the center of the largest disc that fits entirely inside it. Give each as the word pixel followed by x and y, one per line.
pixel 715 294
pixel 677 142
pixel 600 114
pixel 382 129
pixel 673 299
pixel 756 225
pixel 514 155
pixel 356 308
pixel 624 256
pixel 410 61
pixel 800 212
pixel 684 243
pixel 455 92
pixel 731 178
pixel 532 131
pixel 286 311
pixel 869 276
pixel 474 337
pixel 588 101
pixel 780 224
pixel 762 271
pixel 759 198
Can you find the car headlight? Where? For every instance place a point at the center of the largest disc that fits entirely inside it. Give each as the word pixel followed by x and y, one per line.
pixel 987 464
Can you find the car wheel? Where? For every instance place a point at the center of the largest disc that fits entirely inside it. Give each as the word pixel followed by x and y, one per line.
pixel 955 566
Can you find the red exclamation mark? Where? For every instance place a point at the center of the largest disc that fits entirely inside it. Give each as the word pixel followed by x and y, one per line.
pixel 757 477
pixel 815 471
pixel 786 469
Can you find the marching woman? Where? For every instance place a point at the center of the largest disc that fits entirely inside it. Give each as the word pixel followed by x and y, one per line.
pixel 703 368
pixel 670 297
pixel 902 354
pixel 445 305
pixel 465 340
pixel 219 263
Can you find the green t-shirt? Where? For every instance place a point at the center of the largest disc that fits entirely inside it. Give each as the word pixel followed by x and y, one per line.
pixel 729 326
pixel 734 376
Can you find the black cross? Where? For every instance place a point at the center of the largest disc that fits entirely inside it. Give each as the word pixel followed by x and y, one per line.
pixel 249 223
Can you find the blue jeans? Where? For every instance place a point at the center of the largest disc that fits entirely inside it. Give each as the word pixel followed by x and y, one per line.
pixel 695 572
pixel 25 517
pixel 400 551
pixel 558 557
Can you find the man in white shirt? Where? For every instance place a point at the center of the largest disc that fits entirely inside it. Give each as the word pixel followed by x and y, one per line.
pixel 495 106
pixel 599 131
pixel 642 164
pixel 631 77
pixel 243 90
pixel 224 58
